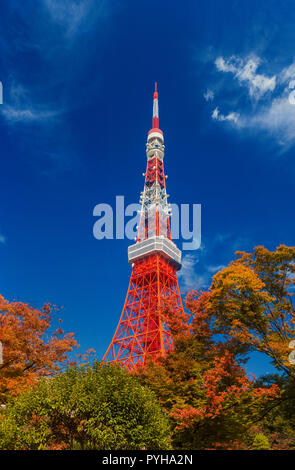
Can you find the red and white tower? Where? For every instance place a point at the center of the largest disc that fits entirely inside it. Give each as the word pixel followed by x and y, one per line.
pixel 142 332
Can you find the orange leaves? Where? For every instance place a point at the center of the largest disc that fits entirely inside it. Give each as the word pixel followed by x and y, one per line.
pixel 176 318
pixel 29 350
pixel 225 381
pixel 186 416
pixel 228 395
pixel 202 318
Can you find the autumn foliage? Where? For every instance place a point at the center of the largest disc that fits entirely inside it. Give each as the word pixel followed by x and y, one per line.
pixel 251 300
pixel 199 396
pixel 30 349
pixel 202 384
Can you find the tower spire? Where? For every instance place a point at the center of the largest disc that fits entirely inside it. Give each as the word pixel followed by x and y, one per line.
pixel 156 109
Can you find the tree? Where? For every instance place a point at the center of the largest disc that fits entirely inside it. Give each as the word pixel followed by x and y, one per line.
pixel 98 407
pixel 260 442
pixel 30 351
pixel 278 424
pixel 202 385
pixel 251 300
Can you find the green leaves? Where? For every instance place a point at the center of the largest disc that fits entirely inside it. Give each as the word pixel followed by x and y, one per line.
pixel 102 407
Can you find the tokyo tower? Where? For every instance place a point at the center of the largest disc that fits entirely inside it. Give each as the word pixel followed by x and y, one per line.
pixel 142 332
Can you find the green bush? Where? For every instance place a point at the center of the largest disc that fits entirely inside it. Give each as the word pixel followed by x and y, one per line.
pixel 260 442
pixel 98 407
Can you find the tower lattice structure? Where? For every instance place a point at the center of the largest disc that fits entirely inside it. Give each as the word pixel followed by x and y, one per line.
pixel 142 332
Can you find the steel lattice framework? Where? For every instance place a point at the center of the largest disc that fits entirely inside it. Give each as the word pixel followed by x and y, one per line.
pixel 142 332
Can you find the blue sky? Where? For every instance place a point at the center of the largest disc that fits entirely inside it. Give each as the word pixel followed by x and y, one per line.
pixel 78 79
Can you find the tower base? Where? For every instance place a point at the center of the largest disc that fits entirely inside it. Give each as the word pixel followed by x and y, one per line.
pixel 142 332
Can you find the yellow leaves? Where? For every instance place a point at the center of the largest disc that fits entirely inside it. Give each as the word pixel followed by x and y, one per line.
pixel 238 293
pixel 237 276
pixel 251 301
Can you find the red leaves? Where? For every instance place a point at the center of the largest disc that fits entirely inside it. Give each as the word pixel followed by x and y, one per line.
pixel 186 416
pixel 29 350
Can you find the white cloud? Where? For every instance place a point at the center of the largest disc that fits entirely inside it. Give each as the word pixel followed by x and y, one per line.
pixel 209 95
pixel 221 117
pixel 275 115
pixel 67 13
pixel 214 269
pixel 71 15
pixel 189 277
pixel 278 118
pixel 21 110
pixel 225 66
pixel 2 239
pixel 15 115
pixel 287 74
pixel 51 32
pixel 245 72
